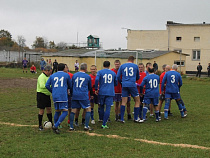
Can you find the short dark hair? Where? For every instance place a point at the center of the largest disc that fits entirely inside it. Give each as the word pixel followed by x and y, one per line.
pixel 151 70
pixel 141 64
pixel 106 64
pixel 148 64
pixel 61 66
pixel 131 58
pixel 117 61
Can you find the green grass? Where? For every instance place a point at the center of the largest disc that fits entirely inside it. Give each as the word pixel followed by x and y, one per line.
pixel 18 105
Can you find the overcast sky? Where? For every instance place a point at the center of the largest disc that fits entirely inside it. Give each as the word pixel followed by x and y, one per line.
pixel 61 20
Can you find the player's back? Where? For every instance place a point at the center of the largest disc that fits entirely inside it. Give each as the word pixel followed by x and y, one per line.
pixel 173 81
pixel 107 80
pixel 60 82
pixel 151 83
pixel 81 84
pixel 118 88
pixel 130 74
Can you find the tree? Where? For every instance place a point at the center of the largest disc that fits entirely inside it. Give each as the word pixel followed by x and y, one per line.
pixel 5 40
pixel 39 43
pixel 51 44
pixel 61 46
pixel 21 44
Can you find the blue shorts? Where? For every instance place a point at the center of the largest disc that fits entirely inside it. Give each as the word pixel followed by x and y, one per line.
pixel 95 99
pixel 42 68
pixel 117 97
pixel 173 95
pixel 69 101
pixel 24 66
pixel 108 100
pixel 126 91
pixel 153 101
pixel 84 104
pixel 61 105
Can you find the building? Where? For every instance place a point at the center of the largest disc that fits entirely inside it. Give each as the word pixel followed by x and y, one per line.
pixel 97 57
pixel 192 39
pixel 93 41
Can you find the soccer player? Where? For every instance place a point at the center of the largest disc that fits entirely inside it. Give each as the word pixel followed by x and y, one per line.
pixel 130 74
pixel 142 74
pixel 173 82
pixel 55 66
pixel 42 64
pixel 81 84
pixel 43 96
pixel 93 101
pixel 118 92
pixel 25 62
pixel 33 69
pixel 58 84
pixel 151 83
pixel 106 79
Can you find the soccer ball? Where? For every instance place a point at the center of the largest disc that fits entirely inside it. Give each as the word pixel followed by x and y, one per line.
pixel 47 124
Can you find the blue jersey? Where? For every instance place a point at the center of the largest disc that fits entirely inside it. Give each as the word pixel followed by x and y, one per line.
pixel 58 83
pixel 151 83
pixel 81 84
pixel 147 73
pixel 130 74
pixel 173 82
pixel 107 80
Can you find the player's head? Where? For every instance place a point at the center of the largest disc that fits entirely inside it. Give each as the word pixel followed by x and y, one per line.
pixel 168 68
pixel 151 70
pixel 47 70
pixel 131 59
pixel 83 67
pixel 93 69
pixel 154 61
pixel 117 64
pixel 174 67
pixel 55 60
pixel 24 58
pixel 61 67
pixel 164 67
pixel 106 64
pixel 66 69
pixel 148 65
pixel 32 65
pixel 141 67
pixel 76 61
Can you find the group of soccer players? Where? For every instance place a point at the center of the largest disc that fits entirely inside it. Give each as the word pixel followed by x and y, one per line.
pixel 73 92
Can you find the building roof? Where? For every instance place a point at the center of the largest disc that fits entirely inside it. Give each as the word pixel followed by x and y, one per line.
pixel 94 36
pixel 171 23
pixel 109 54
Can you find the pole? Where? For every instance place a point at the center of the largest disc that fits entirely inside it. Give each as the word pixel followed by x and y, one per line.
pixel 137 57
pixel 95 58
pixel 180 64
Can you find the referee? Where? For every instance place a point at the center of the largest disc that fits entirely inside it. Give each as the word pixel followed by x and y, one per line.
pixel 43 96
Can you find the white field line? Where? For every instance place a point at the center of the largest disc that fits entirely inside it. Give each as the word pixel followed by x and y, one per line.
pixel 119 137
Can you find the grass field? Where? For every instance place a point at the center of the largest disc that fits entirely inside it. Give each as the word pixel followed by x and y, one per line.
pixel 171 138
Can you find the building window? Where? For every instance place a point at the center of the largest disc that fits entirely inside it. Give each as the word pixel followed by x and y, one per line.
pixel 178 38
pixel 197 39
pixel 95 41
pixel 196 55
pixel 177 62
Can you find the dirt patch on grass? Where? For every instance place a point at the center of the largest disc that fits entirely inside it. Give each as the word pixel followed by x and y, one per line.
pixel 18 83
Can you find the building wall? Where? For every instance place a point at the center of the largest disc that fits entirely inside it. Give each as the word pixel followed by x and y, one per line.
pixel 147 39
pixel 164 59
pixel 164 39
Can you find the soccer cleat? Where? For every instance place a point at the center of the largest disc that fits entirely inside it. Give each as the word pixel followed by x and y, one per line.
pixel 55 130
pixel 165 118
pixel 71 129
pixel 104 127
pixel 129 117
pixel 100 120
pixel 93 122
pixel 76 124
pixel 121 121
pixel 41 128
pixel 170 114
pixel 157 120
pixel 88 128
pixel 184 116
pixel 141 121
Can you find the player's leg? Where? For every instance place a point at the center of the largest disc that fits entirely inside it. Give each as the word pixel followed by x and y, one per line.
pixel 72 114
pixel 155 103
pixel 166 108
pixel 179 103
pixel 145 109
pixel 92 101
pixel 83 116
pixel 151 110
pixel 128 108
pixel 122 108
pixel 77 117
pixel 141 107
pixel 40 117
pixel 109 103
pixel 49 114
pixel 117 109
pixel 169 110
pixel 136 108
pixel 87 107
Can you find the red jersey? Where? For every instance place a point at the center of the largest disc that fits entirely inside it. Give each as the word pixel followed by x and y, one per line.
pixel 33 68
pixel 93 78
pixel 139 81
pixel 70 74
pixel 118 88
pixel 161 79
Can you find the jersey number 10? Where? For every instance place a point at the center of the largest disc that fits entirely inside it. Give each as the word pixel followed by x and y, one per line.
pixel 153 83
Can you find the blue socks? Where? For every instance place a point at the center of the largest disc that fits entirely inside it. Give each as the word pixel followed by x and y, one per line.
pixel 136 113
pixel 61 118
pixel 72 119
pixel 141 111
pixel 92 114
pixel 56 116
pixel 106 115
pixel 157 115
pixel 144 112
pixel 87 119
pixel 122 112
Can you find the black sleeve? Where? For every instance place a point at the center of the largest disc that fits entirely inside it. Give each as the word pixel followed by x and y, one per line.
pixel 91 92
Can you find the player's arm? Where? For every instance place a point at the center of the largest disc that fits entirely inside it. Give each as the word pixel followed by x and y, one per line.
pixel 96 82
pixel 137 74
pixel 180 81
pixel 119 75
pixel 142 85
pixel 90 87
pixel 48 85
pixel 163 83
pixel 115 80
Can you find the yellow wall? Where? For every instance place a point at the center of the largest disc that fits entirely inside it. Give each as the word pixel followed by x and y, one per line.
pixel 164 59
